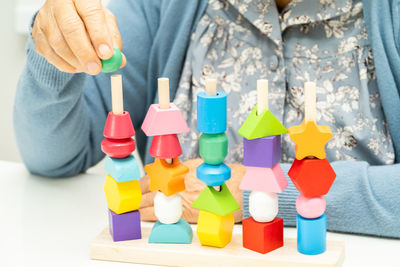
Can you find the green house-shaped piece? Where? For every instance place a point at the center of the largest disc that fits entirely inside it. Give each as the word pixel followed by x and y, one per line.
pixel 221 203
pixel 263 125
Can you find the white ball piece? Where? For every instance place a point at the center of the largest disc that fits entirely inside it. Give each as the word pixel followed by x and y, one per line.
pixel 263 207
pixel 168 210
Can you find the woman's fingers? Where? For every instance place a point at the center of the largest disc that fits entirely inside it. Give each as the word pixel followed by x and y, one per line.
pixel 74 33
pixel 45 50
pixel 92 14
pixel 147 200
pixel 147 214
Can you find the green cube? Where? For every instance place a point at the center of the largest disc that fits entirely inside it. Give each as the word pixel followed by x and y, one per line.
pixel 213 148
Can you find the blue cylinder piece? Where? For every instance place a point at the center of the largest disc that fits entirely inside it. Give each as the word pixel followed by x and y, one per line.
pixel 213 175
pixel 211 113
pixel 311 235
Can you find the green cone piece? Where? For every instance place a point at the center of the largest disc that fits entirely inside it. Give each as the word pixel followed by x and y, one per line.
pixel 221 203
pixel 258 126
pixel 112 64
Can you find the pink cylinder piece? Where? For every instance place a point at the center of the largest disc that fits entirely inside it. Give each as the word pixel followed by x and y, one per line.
pixel 310 208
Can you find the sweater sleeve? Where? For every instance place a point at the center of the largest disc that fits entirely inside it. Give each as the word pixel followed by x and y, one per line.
pixel 59 117
pixel 363 199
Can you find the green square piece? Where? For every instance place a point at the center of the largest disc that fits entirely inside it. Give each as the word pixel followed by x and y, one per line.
pixel 213 148
pixel 221 203
pixel 263 125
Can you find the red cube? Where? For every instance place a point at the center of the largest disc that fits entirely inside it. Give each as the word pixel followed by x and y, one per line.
pixel 262 237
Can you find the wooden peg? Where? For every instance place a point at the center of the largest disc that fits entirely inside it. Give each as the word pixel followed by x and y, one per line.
pixel 163 93
pixel 310 101
pixel 262 96
pixel 117 94
pixel 211 87
pixel 217 188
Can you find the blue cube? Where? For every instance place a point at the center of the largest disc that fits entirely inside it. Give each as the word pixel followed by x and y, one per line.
pixel 211 113
pixel 213 175
pixel 311 235
pixel 123 170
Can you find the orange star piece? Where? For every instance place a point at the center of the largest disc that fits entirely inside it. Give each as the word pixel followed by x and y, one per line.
pixel 167 178
pixel 310 139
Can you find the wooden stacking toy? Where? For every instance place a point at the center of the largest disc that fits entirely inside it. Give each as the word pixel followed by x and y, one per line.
pixel 216 221
pixel 263 231
pixel 113 63
pixel 312 175
pixel 121 186
pixel 163 122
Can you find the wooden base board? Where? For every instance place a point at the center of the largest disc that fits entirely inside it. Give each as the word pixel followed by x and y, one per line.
pixel 140 251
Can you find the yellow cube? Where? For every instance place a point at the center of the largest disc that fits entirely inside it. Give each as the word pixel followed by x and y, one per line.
pixel 122 197
pixel 214 230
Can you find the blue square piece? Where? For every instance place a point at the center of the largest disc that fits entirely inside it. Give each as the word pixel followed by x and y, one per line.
pixel 311 235
pixel 262 152
pixel 123 170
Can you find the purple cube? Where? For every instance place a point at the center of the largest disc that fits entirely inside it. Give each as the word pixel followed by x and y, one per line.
pixel 262 152
pixel 125 226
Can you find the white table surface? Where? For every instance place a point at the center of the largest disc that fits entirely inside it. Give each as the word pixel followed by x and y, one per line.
pixel 51 222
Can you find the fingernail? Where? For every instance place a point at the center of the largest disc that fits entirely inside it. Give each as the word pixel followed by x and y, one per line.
pixel 93 67
pixel 104 50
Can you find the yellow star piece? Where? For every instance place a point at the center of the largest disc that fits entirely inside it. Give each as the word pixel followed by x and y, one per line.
pixel 167 178
pixel 310 139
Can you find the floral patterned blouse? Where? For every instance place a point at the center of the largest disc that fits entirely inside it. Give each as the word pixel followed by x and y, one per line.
pixel 240 41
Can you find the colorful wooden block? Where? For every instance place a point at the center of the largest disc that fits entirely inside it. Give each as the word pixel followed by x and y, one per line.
pixel 122 197
pixel 310 208
pixel 263 125
pixel 264 179
pixel 221 203
pixel 310 139
pixel 168 210
pixel 124 226
pixel 213 175
pixel 262 152
pixel 123 170
pixel 118 148
pixel 167 178
pixel 213 148
pixel 215 230
pixel 165 146
pixel 164 121
pixel 177 233
pixel 262 237
pixel 211 113
pixel 312 177
pixel 112 64
pixel 118 126
pixel 263 206
pixel 311 235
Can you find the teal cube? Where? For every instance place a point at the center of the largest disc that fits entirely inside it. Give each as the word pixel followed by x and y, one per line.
pixel 213 148
pixel 123 170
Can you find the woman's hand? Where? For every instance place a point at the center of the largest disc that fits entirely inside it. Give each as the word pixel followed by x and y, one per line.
pixel 74 35
pixel 193 189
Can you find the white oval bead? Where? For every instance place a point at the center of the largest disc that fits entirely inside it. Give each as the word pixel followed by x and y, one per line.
pixel 168 210
pixel 263 206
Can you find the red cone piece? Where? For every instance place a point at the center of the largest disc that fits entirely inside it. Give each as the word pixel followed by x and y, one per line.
pixel 165 146
pixel 118 148
pixel 312 177
pixel 119 126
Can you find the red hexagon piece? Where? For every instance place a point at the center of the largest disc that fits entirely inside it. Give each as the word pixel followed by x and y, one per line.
pixel 312 177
